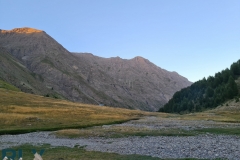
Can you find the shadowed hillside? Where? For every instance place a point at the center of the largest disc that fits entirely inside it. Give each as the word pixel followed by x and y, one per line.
pixel 207 93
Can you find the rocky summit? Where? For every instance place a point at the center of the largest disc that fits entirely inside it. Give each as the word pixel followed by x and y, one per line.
pixel 34 62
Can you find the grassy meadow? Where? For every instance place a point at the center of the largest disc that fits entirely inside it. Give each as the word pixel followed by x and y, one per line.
pixel 227 113
pixel 21 112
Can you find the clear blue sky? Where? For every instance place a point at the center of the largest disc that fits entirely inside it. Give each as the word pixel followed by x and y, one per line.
pixel 195 38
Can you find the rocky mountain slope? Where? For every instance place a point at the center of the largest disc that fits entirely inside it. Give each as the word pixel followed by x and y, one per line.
pixel 47 68
pixel 13 71
pixel 136 81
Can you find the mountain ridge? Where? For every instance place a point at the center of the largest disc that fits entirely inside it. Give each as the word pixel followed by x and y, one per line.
pixel 22 30
pixel 135 84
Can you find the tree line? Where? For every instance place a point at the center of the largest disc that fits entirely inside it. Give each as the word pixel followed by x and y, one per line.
pixel 206 93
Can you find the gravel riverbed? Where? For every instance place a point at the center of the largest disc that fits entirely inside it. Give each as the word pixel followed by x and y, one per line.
pixel 201 146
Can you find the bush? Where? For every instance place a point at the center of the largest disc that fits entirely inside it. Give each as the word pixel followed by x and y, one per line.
pixel 236 99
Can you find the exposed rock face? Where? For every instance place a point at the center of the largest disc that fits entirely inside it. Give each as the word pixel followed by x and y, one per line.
pixel 136 83
pixel 12 71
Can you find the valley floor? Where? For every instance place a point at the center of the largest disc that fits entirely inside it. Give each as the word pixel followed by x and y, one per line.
pixel 153 136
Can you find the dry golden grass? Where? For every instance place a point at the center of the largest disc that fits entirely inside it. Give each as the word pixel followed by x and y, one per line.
pixel 120 131
pixel 25 112
pixel 110 131
pixel 228 112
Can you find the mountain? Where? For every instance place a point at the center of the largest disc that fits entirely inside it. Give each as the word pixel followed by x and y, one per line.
pixel 135 82
pixel 207 93
pixel 47 68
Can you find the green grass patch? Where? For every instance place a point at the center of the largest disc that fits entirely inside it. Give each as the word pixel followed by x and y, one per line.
pixel 8 86
pixel 28 130
pixel 143 133
pixel 167 132
pixel 76 153
pixel 48 61
pixel 120 132
pixel 226 131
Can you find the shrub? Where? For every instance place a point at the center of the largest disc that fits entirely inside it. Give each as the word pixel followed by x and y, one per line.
pixel 236 99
